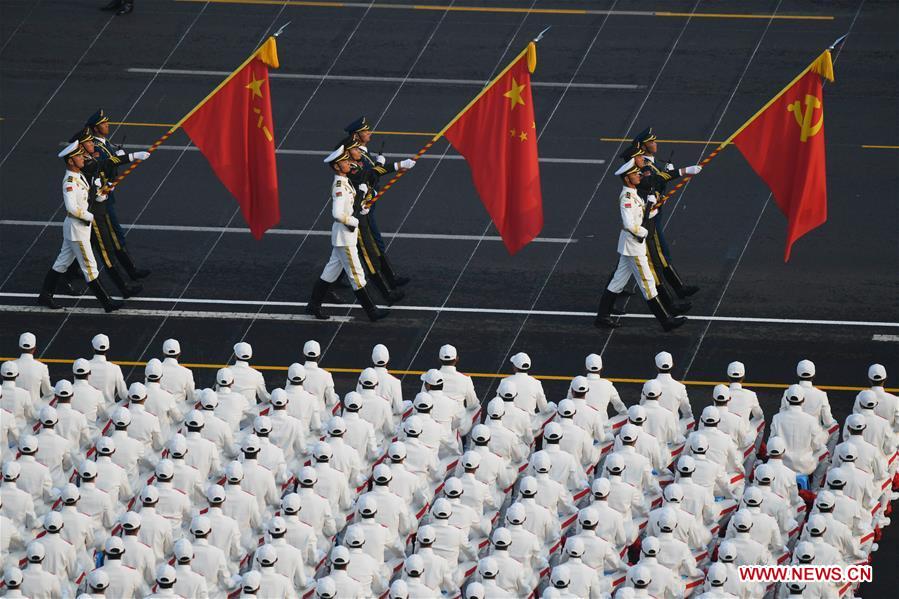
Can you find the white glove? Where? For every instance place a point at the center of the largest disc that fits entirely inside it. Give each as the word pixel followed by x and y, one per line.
pixel 381 160
pixel 120 152
pixel 669 167
pixel 101 197
pixel 692 170
pixel 98 183
pixel 651 199
pixel 90 216
pixel 405 164
pixel 352 221
pixel 365 210
pixel 138 156
pixel 642 233
pixel 363 188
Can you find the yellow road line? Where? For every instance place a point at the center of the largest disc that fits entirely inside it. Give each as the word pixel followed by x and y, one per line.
pixel 667 141
pixel 481 375
pixel 136 124
pixel 517 10
pixel 871 147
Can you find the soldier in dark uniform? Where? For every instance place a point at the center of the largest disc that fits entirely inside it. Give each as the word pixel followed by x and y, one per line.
pixel 360 130
pixel 98 124
pixel 97 170
pixel 653 187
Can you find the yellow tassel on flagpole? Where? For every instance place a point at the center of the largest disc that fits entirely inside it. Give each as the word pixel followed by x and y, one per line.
pixel 268 53
pixel 532 57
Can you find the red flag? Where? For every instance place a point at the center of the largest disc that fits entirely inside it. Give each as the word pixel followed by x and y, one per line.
pixel 784 144
pixel 233 128
pixel 498 137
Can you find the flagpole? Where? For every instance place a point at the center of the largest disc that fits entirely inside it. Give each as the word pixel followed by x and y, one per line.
pixel 531 47
pixel 265 47
pixel 684 180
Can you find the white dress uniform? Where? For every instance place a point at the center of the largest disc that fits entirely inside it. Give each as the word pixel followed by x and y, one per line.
pixel 526 548
pixel 18 505
pixel 34 377
pixel 764 529
pixel 674 396
pixel 602 393
pixel 648 446
pixel 611 523
pixel 360 435
pixel 305 407
pixel 784 481
pixel 745 402
pixel 664 584
pixel 76 233
pixel 35 478
pixel 803 436
pixel 698 499
pixel 155 531
pixel 302 536
pixel 318 514
pixel 661 422
pixel 711 474
pixel 9 536
pixel 37 583
pixel 633 261
pixel 344 235
pixel 320 383
pixel 233 406
pixel 60 558
pixel 334 484
pixel 459 387
pixel 210 562
pixel 290 562
pixel 722 448
pixel 17 401
pixel 219 432
pixel 531 397
pixel 878 431
pixel 376 534
pixel 78 530
pixel 749 551
pixel 56 453
pixel 637 471
pixel 840 537
pixel 178 380
pixel 259 481
pixel 389 388
pixel 124 581
pixel 591 420
pixel 145 427
pixel 553 495
pixel 517 420
pixel 130 453
pixel 870 459
pixel 89 401
pixel 288 433
pixel 108 378
pixel 736 426
pixel 392 513
pixel 689 529
pixel 98 504
pixel 347 586
pixel 816 404
pixel 887 406
pixel 249 382
pixel 565 469
pixel 72 425
pixel 188 583
pixel 675 555
pixel 202 454
pixel 450 543
pixel 225 533
pixel 598 553
pixel 368 573
pixel 113 479
pixel 242 507
pixel 377 410
pixel 164 405
pixel 9 433
pixel 540 521
pixel 411 487
pixel 585 581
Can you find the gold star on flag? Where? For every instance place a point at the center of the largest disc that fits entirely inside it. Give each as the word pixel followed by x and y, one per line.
pixel 511 132
pixel 523 136
pixel 514 94
pixel 256 86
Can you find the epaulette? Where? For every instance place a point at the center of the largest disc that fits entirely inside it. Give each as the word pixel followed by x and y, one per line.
pixel 70 179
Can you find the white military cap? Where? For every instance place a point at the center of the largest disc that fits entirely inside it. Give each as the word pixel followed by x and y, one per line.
pixel 521 361
pixel 335 155
pixel 200 525
pixel 251 444
pixel 540 462
pixel 53 522
pixel 9 369
pixel 414 565
pixel 380 355
pixel 877 373
pixel 28 444
pixel 699 443
pixel 686 464
pixel 805 551
pixel 397 451
pixel 560 577
pixel 354 537
pixel 70 494
pixel 625 167
pixel 664 361
pixel 177 445
pixel 149 494
pixel 35 552
pixel 27 341
pixel 650 546
pixel 710 415
pixel 262 424
pixel 817 525
pixel 71 149
pixel 251 581
pixel 854 422
pixel 727 551
pixel 153 370
pixel 487 567
pixel 507 389
pixel 721 393
pixel 412 426
pixel 12 577
pixel 308 476
pixel 567 408
pixel 171 347
pixel 825 500
pixel 593 363
pixel 764 474
pixel 805 369
pixel 209 399
pixel 432 377
pixel 121 416
pixel 453 487
pixel 352 401
pixel 296 373
pixel 674 493
pixel 580 384
pixel 753 497
pixel 98 580
pixel 63 388
pixel 132 520
pixel 322 451
pixel 480 433
pixel 652 389
pixel 636 414
pixel 447 352
pixel 552 432
pixel 48 416
pixel 736 370
pixel 279 398
pixel 474 591
pixel 243 350
pixel 100 342
pixel 399 590
pixel 495 408
pixel 776 446
pixel 442 508
pixel 266 555
pixel 368 378
pixel 165 574
pixel 717 575
pixel 426 535
pixel 277 525
pixel 629 433
pixel 615 464
pixel 183 550
pixel 340 555
pixel 641 577
pixel 137 392
pixel 367 506
pixel 528 486
pixel 215 494
pixel 574 547
pixel 326 588
pixel 516 514
pixel 867 399
pixel 742 520
pixel 105 446
pixel 601 487
pixel 795 394
pixel 382 474
pixel 667 520
pixel 86 471
pixel 291 503
pixel 471 460
pixel 311 349
pixel 224 376
pixel 336 426
pixel 81 366
pixel 846 452
pixel 165 469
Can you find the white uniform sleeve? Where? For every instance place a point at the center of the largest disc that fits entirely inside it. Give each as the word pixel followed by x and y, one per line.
pixel 70 199
pixel 341 199
pixel 628 222
pixel 615 400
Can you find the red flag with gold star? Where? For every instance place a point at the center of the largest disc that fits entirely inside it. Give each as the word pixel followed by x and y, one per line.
pixel 233 128
pixel 784 144
pixel 497 135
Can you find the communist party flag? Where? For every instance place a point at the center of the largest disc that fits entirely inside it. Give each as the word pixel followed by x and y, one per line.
pixel 233 128
pixel 497 135
pixel 784 144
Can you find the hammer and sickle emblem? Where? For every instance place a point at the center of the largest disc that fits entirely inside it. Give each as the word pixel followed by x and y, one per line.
pixel 804 117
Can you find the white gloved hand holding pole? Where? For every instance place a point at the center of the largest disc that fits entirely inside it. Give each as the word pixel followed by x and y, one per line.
pixel 691 170
pixel 138 156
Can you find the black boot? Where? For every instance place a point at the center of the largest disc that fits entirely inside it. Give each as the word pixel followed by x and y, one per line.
pixel 669 303
pixel 686 291
pixel 135 273
pixel 391 296
pixel 127 7
pixel 126 289
pixel 314 307
pixel 667 321
pixel 682 291
pixel 392 278
pixel 48 289
pixel 331 297
pixel 603 314
pixel 109 304
pixel 374 313
pixel 113 5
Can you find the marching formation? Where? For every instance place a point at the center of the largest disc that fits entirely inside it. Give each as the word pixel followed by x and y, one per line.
pixel 163 489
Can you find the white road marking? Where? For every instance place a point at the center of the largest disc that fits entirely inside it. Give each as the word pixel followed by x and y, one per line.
pixel 302 232
pixel 175 313
pixel 476 310
pixel 893 338
pixel 375 79
pixel 388 155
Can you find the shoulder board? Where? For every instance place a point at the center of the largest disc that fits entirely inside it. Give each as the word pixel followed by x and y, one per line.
pixel 70 179
pixel 628 194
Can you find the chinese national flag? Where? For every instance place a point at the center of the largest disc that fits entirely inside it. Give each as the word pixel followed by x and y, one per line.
pixel 784 144
pixel 233 128
pixel 497 135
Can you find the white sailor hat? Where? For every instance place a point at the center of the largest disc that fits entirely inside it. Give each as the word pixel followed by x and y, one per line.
pixel 27 341
pixel 764 474
pixel 368 378
pixel 100 342
pixel 311 349
pixel 171 347
pixel 396 451
pixel 560 577
pixel 601 487
pixel 717 575
pixel 650 546
pixel 382 474
pixel 252 580
pixel 805 551
pixel 776 446
pixel 699 443
pixel 625 168
pixel 355 537
pixel 474 590
pixel 380 355
pixel 183 550
pixel 73 149
pixel 442 509
pixel 480 433
pixel 291 503
pixel 28 444
pixel 507 389
pixel 234 472
pixel 636 414
pixel 48 416
pixel 721 393
pixel 224 376
pixel 567 408
pixel 165 574
pixel 854 422
pixel 528 486
pixel 367 506
pixel 266 555
pixel 710 415
pixel 200 525
pixel 137 392
pixel 487 567
pixel 742 520
pixel 580 384
pixel 877 373
pixel 664 361
pixel 149 495
pixel 35 552
pixel 243 350
pixel 296 373
pixel 452 487
pixel 795 394
pixel 495 408
pixel 471 460
pixel 340 556
pixel 53 522
pixel 540 462
pixel 98 580
pixel 279 398
pixel 262 425
pixel 215 494
pixel 447 352
pixel 9 369
pixel 574 547
pixel 121 416
pixel 516 514
pixel 338 154
pixel 652 389
pixel 593 363
pixel 70 494
pixel 867 399
pixel 521 361
pixel 105 446
pixel 727 551
pixel 195 419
